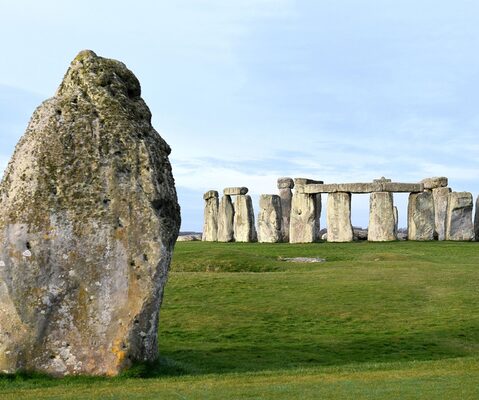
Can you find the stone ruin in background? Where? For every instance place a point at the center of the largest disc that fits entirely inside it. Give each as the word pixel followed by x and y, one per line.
pixel 435 212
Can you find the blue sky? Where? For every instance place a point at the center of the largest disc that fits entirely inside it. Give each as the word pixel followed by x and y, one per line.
pixel 247 91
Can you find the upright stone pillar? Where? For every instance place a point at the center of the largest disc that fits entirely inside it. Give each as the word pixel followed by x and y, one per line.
pixel 210 227
pixel 396 222
pixel 420 216
pixel 338 217
pixel 382 223
pixel 459 224
pixel 440 196
pixel 243 224
pixel 476 220
pixel 305 212
pixel 225 219
pixel 285 185
pixel 269 219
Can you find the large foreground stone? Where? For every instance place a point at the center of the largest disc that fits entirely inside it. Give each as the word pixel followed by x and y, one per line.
pixel 243 225
pixel 269 219
pixel 210 226
pixel 225 220
pixel 440 196
pixel 459 224
pixel 88 222
pixel 382 218
pixel 338 217
pixel 421 216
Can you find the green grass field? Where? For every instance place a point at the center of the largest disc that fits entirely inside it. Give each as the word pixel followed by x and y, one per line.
pixel 375 321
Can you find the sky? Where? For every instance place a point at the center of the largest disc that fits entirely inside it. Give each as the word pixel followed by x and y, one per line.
pixel 247 91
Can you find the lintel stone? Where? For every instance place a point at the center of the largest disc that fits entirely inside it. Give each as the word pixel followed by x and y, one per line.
pixel 435 182
pixel 362 187
pixel 210 194
pixel 235 191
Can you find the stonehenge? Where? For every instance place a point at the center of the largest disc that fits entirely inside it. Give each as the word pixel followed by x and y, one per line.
pixel 293 215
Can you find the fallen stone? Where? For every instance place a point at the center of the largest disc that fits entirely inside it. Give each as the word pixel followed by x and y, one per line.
pixel 88 222
pixel 421 216
pixel 235 191
pixel 440 196
pixel 269 219
pixel 189 238
pixel 225 219
pixel 303 259
pixel 338 217
pixel 459 225
pixel 435 182
pixel 382 223
pixel 243 225
pixel 360 234
pixel 285 183
pixel 210 226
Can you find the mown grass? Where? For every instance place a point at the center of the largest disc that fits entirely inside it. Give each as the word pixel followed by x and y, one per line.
pixel 376 321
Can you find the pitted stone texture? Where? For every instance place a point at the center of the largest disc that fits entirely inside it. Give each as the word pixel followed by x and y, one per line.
pixel 88 222
pixel 382 221
pixel 285 183
pixel 435 182
pixel 225 220
pixel 303 226
pixel 243 225
pixel 338 217
pixel 235 191
pixel 421 216
pixel 286 196
pixel 459 224
pixel 269 219
pixel 210 226
pixel 440 196
pixel 476 220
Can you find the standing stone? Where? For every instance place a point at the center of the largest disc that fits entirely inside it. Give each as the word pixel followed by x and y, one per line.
pixel 305 210
pixel 88 222
pixel 285 185
pixel 421 216
pixel 476 220
pixel 440 196
pixel 269 219
pixel 338 217
pixel 382 221
pixel 225 219
pixel 396 222
pixel 459 224
pixel 210 227
pixel 243 225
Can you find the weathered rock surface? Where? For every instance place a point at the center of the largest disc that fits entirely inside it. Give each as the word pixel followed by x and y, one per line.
pixel 338 217
pixel 434 182
pixel 396 221
pixel 285 183
pixel 379 185
pixel 286 195
pixel 210 226
pixel 421 216
pixel 243 224
pixel 382 222
pixel 459 224
pixel 303 226
pixel 235 191
pixel 440 196
pixel 476 220
pixel 269 219
pixel 225 219
pixel 88 222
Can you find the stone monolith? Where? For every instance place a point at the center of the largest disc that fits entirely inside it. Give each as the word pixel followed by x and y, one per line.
pixel 269 219
pixel 338 217
pixel 421 216
pixel 382 220
pixel 88 222
pixel 225 219
pixel 305 213
pixel 285 193
pixel 440 196
pixel 210 226
pixel 459 225
pixel 243 225
pixel 476 220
